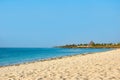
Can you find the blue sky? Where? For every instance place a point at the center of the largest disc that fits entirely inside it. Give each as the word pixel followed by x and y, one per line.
pixel 47 23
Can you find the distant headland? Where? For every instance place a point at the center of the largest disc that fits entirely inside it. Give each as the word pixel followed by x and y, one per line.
pixel 91 45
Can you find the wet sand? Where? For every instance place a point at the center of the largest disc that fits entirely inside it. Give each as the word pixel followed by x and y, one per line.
pixel 96 66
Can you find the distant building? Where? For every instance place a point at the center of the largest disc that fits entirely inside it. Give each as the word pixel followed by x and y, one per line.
pixel 91 44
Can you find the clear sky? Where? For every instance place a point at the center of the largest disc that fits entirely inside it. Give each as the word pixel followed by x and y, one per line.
pixel 47 23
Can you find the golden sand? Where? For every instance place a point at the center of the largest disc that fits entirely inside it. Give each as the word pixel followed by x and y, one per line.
pixel 96 66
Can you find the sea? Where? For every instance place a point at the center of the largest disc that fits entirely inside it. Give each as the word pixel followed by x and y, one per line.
pixel 12 56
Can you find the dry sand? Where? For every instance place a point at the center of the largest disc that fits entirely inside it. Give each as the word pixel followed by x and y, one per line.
pixel 97 66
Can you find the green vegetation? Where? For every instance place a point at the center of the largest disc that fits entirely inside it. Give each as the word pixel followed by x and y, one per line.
pixel 92 45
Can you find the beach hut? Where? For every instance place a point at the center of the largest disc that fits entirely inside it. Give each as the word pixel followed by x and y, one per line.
pixel 91 44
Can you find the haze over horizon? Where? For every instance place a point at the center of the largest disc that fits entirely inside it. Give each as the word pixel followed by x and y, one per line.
pixel 47 23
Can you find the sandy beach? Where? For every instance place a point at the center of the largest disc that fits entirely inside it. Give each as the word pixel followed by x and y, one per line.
pixel 96 66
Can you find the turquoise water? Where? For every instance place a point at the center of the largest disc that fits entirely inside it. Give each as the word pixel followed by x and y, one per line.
pixel 10 56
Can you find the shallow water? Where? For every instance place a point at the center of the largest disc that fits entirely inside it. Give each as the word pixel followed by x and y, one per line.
pixel 9 56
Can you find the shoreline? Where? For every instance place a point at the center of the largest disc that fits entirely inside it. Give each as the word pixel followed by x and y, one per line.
pixel 54 58
pixel 93 66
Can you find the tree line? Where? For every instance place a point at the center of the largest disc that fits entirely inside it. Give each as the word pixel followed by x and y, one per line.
pixel 92 45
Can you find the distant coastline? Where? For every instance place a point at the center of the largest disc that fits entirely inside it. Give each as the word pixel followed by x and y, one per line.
pixel 91 45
